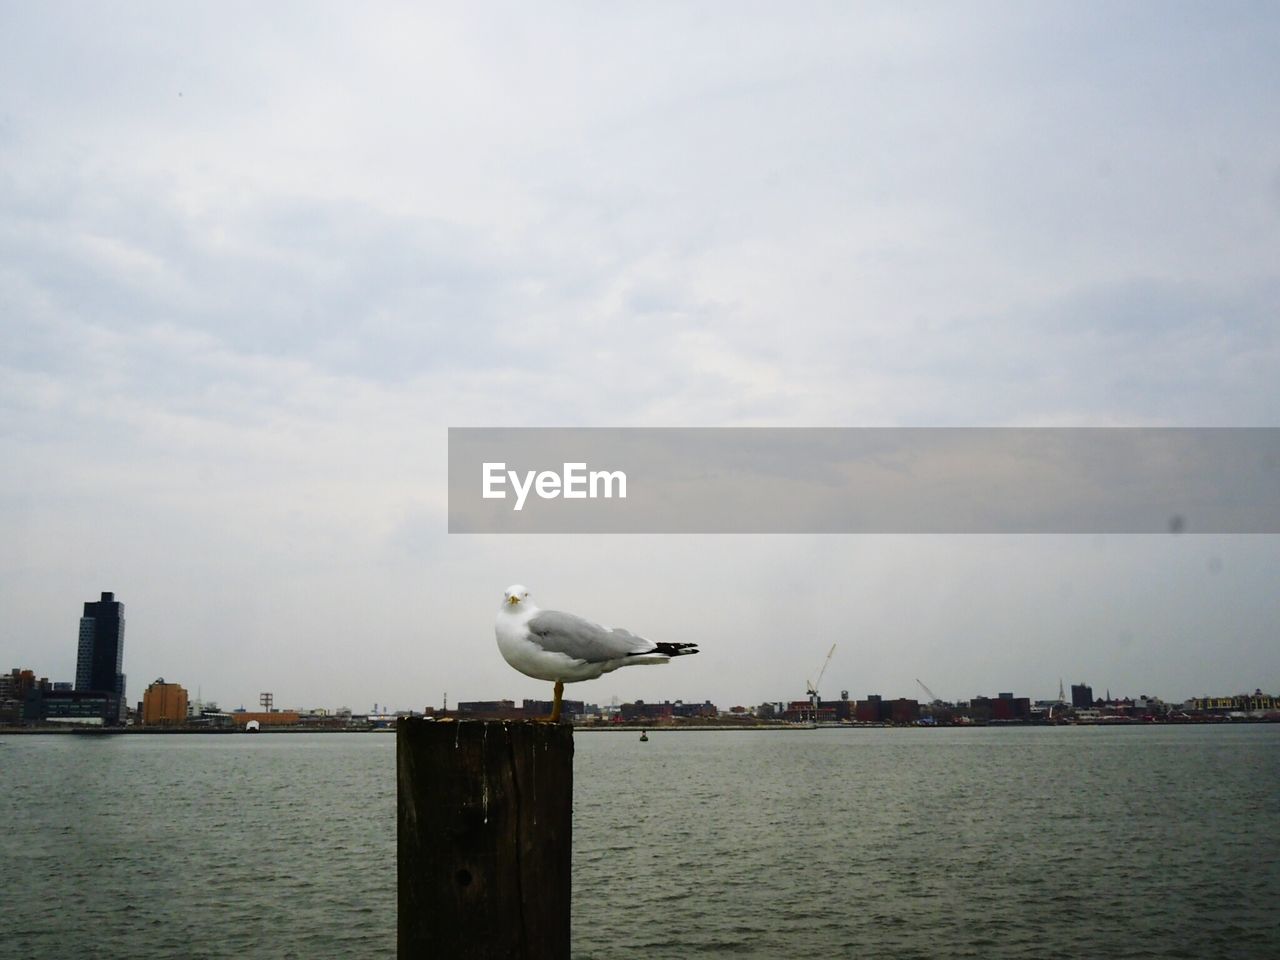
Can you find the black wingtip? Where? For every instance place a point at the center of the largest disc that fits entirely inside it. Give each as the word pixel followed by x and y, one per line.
pixel 676 649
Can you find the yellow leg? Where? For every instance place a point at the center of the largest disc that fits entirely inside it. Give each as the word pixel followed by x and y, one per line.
pixel 555 704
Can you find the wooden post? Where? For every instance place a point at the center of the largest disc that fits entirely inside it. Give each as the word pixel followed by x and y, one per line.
pixel 484 831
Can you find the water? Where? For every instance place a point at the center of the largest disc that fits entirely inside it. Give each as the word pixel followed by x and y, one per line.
pixel 198 846
pixel 1151 842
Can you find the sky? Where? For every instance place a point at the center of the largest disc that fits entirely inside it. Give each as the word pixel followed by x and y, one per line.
pixel 256 260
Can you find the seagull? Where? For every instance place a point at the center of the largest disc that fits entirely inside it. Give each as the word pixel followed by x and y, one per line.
pixel 550 645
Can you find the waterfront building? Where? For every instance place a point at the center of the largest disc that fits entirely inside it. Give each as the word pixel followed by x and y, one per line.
pixel 90 707
pixel 844 707
pixel 904 710
pixel 164 703
pixel 704 710
pixel 23 698
pixel 869 710
pixel 542 708
pixel 15 687
pixel 1212 704
pixel 1005 708
pixel 490 709
pixel 276 718
pixel 10 700
pixel 1081 696
pixel 100 655
pixel 647 711
pixel 802 711
pixel 1256 702
pixel 208 715
pixel 875 709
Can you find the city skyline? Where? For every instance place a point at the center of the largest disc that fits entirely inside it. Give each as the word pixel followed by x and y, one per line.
pixel 27 700
pixel 100 646
pixel 254 267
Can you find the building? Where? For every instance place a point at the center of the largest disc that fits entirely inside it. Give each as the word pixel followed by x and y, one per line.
pixel 490 709
pixel 641 711
pixel 15 687
pixel 25 699
pixel 100 656
pixel 705 710
pixel 1081 696
pixel 276 718
pixel 78 707
pixel 542 708
pixel 844 707
pixel 869 710
pixel 164 703
pixel 1006 708
pixel 876 709
pixel 904 710
pixel 1256 702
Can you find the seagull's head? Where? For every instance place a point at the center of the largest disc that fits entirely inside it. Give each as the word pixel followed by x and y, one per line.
pixel 515 598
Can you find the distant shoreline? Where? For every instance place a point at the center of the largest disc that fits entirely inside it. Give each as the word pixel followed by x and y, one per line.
pixel 173 731
pixel 92 731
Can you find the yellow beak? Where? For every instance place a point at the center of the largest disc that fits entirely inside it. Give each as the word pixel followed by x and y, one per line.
pixel 513 600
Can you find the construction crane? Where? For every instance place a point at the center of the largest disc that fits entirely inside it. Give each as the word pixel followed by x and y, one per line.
pixel 813 685
pixel 933 697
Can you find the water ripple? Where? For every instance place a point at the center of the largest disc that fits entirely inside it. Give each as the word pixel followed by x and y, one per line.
pixel 1138 843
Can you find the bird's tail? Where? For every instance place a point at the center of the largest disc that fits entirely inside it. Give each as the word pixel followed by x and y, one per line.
pixel 676 649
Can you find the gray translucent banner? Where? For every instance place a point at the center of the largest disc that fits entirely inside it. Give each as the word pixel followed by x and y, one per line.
pixel 865 480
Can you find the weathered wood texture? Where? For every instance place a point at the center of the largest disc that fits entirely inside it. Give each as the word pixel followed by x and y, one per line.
pixel 484 836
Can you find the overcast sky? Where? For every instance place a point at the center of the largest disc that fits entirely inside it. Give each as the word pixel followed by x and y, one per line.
pixel 255 259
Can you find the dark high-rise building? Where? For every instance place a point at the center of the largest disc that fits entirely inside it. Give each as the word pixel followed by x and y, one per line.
pixel 1081 696
pixel 101 653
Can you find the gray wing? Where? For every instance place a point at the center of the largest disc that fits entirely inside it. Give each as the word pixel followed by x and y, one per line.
pixel 582 639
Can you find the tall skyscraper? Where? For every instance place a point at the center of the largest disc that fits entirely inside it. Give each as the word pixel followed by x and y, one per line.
pixel 101 652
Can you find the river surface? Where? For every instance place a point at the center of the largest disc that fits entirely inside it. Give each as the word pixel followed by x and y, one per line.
pixel 1033 842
